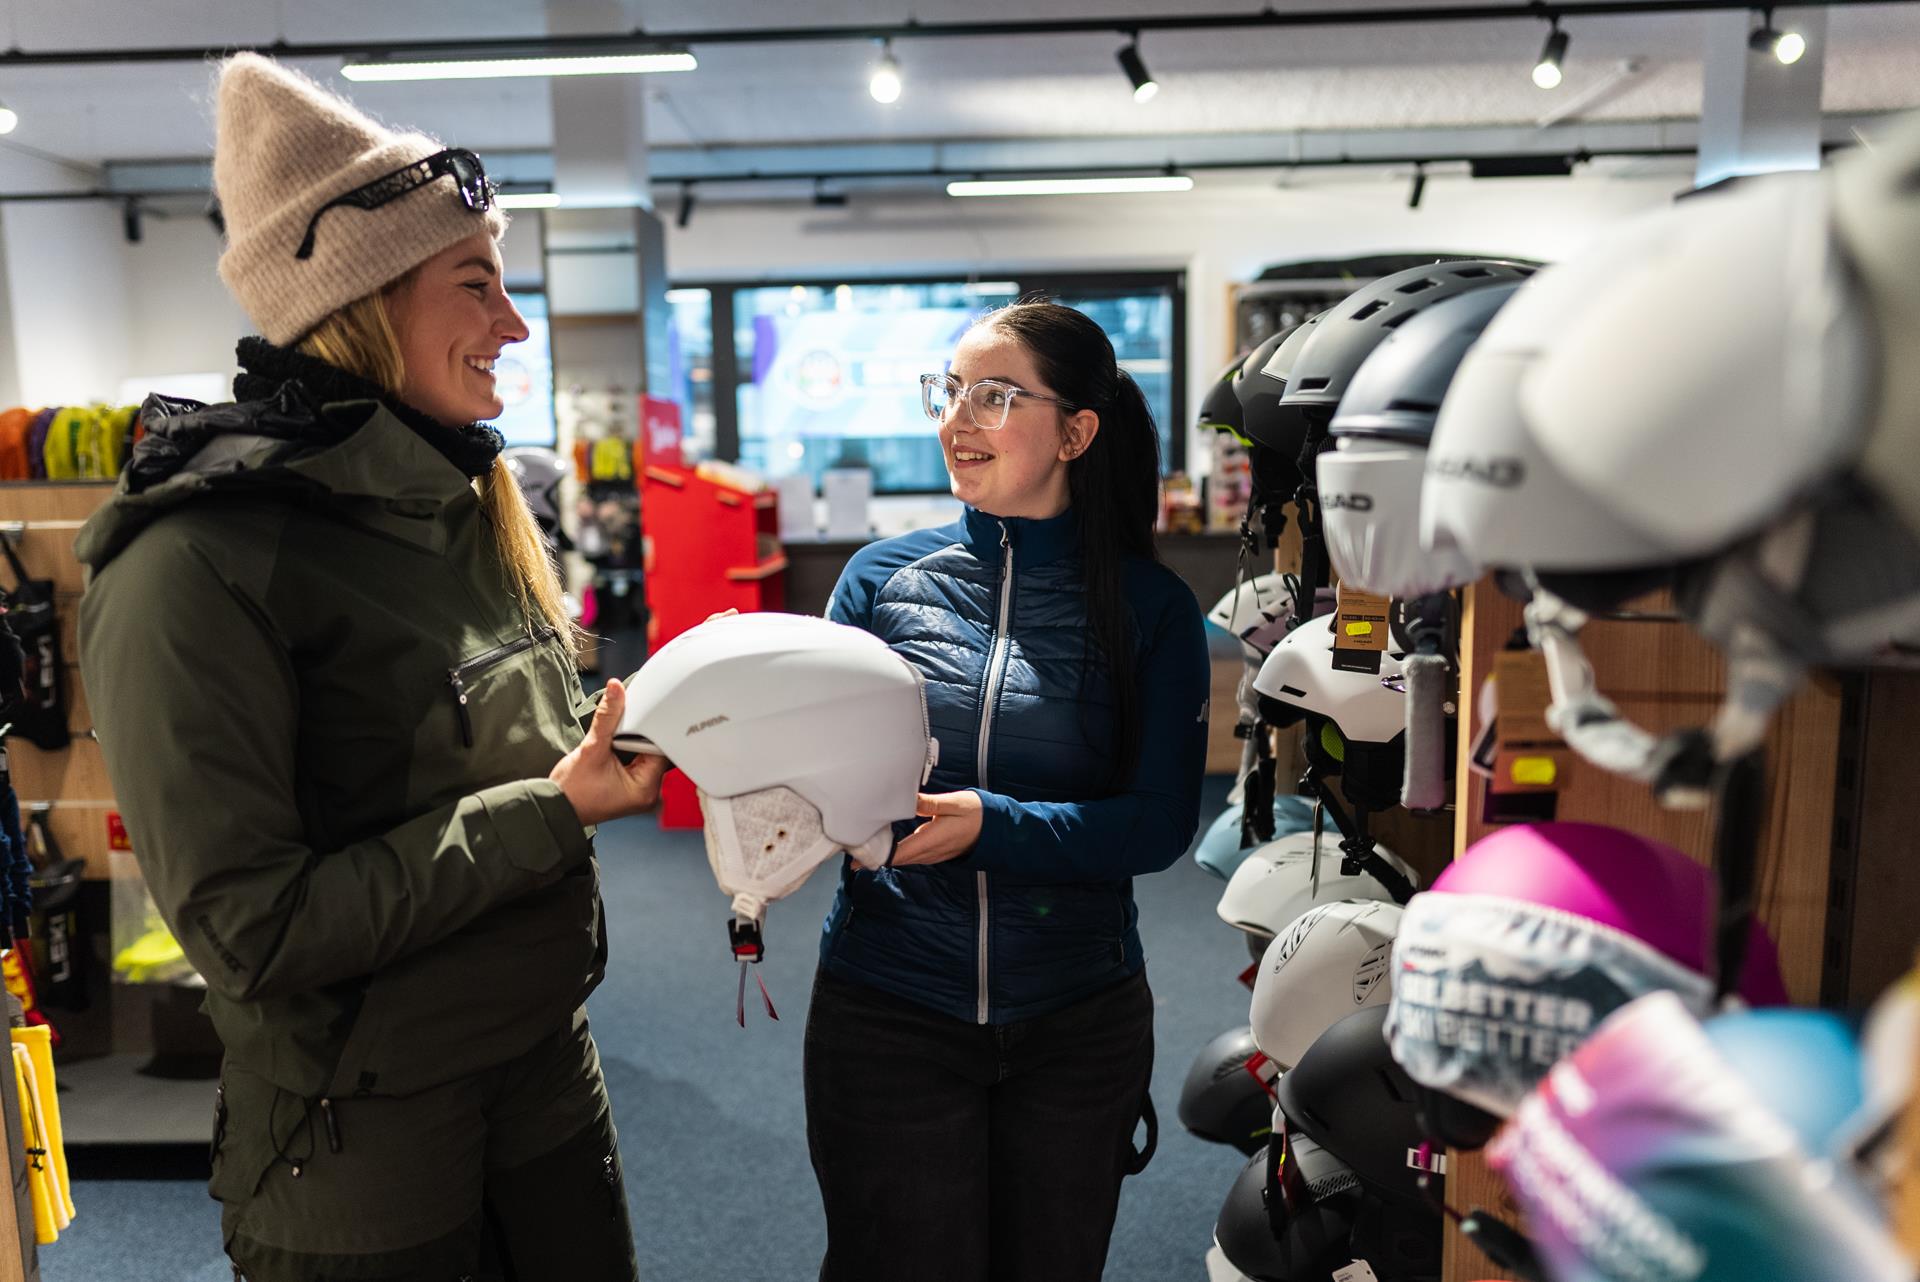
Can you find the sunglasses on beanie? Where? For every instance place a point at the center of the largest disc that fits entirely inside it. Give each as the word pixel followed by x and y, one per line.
pixel 469 176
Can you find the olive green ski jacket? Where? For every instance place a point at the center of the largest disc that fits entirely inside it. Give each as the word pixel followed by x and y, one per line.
pixel 329 728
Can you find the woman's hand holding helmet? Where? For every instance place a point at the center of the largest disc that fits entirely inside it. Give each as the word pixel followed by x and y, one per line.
pixel 593 778
pixel 953 825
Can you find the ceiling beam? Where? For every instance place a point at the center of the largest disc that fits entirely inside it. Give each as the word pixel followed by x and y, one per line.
pixel 1126 24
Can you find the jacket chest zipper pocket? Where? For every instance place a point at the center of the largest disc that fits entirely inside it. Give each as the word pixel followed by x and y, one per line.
pixel 463 674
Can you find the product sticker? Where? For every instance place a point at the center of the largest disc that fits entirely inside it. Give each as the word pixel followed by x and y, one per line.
pixel 1358 1271
pixel 1646 1157
pixel 1360 629
pixel 1489 993
pixel 1527 756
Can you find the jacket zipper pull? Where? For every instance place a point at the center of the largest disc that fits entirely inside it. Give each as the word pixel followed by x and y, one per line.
pixel 460 706
pixel 332 1125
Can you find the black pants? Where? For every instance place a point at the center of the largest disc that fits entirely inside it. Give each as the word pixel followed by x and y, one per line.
pixel 957 1152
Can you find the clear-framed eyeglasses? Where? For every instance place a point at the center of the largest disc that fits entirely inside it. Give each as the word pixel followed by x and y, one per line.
pixel 988 401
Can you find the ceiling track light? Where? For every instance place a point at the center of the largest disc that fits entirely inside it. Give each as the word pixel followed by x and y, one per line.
pixel 1546 69
pixel 9 119
pixel 687 199
pixel 617 64
pixel 1786 47
pixel 1144 85
pixel 885 83
pixel 1419 187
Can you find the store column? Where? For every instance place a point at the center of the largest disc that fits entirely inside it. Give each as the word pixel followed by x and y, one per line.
pixel 1758 115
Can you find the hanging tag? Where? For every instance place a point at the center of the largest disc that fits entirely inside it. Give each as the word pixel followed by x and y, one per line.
pixel 1313 877
pixel 1250 974
pixel 1358 1271
pixel 766 996
pixel 1264 1071
pixel 1527 756
pixel 740 998
pixel 1360 629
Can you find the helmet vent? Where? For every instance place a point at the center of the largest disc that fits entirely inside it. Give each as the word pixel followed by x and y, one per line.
pixel 1376 306
pixel 1418 286
pixel 1473 273
pixel 1414 407
pixel 1395 322
pixel 1313 384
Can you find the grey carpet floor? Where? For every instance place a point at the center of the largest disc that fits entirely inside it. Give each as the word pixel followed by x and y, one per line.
pixel 710 1117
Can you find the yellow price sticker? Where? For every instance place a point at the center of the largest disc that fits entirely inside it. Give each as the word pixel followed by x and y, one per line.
pixel 1359 629
pixel 1537 772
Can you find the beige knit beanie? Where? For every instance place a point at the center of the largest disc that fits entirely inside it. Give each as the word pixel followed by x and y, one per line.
pixel 283 147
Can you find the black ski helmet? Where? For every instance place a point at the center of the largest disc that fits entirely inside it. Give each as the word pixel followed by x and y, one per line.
pixel 1220 408
pixel 1400 1241
pixel 1358 323
pixel 1221 1101
pixel 1271 1242
pixel 1349 1095
pixel 1263 385
pixel 1396 391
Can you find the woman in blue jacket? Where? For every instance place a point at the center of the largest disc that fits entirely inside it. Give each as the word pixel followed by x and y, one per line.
pixel 981 1034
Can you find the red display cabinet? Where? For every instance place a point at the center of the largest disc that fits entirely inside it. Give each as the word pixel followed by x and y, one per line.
pixel 710 546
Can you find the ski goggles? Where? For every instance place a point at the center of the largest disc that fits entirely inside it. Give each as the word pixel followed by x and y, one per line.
pixel 1489 993
pixel 469 177
pixel 1647 1156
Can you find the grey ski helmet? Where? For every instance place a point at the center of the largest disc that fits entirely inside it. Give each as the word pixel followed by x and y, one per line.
pixel 1263 386
pixel 1397 390
pixel 1361 322
pixel 1221 1101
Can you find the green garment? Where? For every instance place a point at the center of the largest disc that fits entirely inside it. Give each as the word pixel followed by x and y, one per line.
pixel 329 728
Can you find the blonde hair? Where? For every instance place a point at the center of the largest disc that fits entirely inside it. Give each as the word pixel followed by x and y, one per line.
pixel 360 339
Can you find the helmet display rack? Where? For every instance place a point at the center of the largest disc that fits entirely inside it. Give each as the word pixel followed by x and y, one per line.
pixel 1666 676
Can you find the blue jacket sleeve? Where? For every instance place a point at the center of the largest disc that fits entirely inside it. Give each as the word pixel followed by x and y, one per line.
pixel 1146 828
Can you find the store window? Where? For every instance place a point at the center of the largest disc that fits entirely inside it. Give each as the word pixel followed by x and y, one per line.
pixel 804 376
pixel 690 369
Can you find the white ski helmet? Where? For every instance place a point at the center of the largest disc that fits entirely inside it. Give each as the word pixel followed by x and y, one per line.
pixel 1876 214
pixel 803 737
pixel 1370 482
pixel 1328 963
pixel 1258 612
pixel 1718 376
pixel 1367 708
pixel 1275 883
pixel 1489 493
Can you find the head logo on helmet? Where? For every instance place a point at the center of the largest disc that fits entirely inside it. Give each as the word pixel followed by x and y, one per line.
pixel 1505 473
pixel 1351 502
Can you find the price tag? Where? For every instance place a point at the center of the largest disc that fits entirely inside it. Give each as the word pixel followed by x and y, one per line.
pixel 1360 629
pixel 1358 1271
pixel 1527 756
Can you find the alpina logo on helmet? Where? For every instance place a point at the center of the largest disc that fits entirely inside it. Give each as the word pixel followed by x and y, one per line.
pixel 1351 502
pixel 708 724
pixel 1502 472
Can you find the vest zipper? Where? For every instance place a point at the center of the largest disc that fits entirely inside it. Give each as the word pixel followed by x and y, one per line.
pixel 457 675
pixel 996 672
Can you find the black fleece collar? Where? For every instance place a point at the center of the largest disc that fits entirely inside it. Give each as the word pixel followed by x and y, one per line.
pixel 267 369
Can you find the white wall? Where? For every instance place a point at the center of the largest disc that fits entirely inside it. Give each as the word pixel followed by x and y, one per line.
pixel 1226 230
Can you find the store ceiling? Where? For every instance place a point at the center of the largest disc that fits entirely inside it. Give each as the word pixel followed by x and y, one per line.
pixel 1241 81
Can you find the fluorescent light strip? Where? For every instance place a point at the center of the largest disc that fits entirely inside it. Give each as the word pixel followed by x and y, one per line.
pixel 623 64
pixel 528 200
pixel 1068 186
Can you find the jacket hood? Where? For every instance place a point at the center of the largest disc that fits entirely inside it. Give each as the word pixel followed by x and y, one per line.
pixel 316 434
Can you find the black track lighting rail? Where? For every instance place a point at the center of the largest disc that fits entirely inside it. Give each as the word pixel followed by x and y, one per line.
pixel 642 40
pixel 1490 162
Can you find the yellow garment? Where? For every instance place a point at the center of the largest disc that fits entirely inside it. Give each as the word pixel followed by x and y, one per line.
pixel 611 460
pixel 38 1040
pixel 62 456
pixel 144 960
pixel 46 1225
pixel 118 439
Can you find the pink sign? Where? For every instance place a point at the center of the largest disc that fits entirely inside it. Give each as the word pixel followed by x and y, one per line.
pixel 660 431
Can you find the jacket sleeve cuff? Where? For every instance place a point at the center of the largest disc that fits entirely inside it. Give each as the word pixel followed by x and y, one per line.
pixel 536 825
pixel 996 831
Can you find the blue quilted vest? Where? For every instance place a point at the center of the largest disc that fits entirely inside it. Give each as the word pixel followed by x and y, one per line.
pixel 1040 913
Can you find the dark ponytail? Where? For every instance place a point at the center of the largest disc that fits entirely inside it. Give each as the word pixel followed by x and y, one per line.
pixel 1113 487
